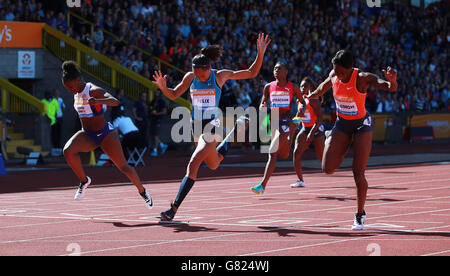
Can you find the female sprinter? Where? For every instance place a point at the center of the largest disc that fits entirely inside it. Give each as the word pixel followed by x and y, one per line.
pixel 280 93
pixel 312 130
pixel 353 122
pixel 205 86
pixel 91 102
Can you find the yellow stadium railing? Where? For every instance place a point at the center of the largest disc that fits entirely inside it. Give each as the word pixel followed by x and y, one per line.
pixel 70 18
pixel 99 66
pixel 16 100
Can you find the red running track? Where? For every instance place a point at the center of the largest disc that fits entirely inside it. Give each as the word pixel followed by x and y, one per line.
pixel 408 212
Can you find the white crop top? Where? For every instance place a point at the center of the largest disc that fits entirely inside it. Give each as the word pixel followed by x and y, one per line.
pixel 81 104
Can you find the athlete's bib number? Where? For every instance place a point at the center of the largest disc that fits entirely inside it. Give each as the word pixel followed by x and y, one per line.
pixel 203 98
pixel 346 106
pixel 280 99
pixel 306 117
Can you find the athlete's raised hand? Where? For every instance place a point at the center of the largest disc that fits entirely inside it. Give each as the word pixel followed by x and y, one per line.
pixel 262 43
pixel 159 80
pixel 390 74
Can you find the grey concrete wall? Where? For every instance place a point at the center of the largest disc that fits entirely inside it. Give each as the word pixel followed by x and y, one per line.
pixel 8 62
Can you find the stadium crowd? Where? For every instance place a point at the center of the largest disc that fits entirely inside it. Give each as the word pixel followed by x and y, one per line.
pixel 305 35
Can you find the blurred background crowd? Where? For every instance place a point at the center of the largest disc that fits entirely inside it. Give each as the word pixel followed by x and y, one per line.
pixel 305 35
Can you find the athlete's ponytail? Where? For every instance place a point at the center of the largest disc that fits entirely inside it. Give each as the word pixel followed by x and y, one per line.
pixel 70 70
pixel 207 55
pixel 213 52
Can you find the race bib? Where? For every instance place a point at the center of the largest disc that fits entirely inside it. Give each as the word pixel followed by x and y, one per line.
pixel 82 107
pixel 346 106
pixel 306 117
pixel 280 99
pixel 203 98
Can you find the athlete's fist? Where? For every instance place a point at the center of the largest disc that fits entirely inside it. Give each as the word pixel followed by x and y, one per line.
pixel 390 74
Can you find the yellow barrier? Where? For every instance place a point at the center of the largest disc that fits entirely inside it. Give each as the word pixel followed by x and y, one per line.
pixel 380 123
pixel 100 67
pixel 91 26
pixel 16 100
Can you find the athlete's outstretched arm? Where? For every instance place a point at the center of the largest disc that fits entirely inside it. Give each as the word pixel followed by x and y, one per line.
pixel 172 94
pixel 323 87
pixel 253 70
pixel 378 83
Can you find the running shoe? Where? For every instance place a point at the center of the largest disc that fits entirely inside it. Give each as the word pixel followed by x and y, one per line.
pixel 82 189
pixel 358 222
pixel 169 214
pixel 148 199
pixel 258 189
pixel 298 184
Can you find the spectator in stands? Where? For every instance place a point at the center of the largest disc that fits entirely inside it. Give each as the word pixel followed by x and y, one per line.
pixel 388 103
pixel 120 109
pixel 420 101
pixel 300 28
pixel 131 136
pixel 52 109
pixel 59 118
pixel 158 109
pixel 140 113
pixel 243 98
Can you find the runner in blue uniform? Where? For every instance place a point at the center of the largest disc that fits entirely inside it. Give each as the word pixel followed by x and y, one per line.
pixel 205 86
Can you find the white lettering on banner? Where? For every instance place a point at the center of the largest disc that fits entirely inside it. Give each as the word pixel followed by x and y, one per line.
pixel 441 125
pixel 373 3
pixel 6 33
pixel 73 3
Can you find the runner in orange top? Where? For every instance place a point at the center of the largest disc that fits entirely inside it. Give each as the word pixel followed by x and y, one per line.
pixel 281 93
pixel 312 129
pixel 353 121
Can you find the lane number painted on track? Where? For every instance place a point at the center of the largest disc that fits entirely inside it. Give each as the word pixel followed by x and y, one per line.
pixel 75 248
pixel 374 249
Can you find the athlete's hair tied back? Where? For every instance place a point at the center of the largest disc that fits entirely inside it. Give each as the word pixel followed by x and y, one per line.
pixel 70 70
pixel 213 52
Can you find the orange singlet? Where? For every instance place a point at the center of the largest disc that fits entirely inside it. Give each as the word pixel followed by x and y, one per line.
pixel 309 117
pixel 350 103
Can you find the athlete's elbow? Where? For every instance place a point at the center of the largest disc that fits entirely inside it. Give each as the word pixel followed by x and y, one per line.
pixel 252 74
pixel 170 96
pixel 115 102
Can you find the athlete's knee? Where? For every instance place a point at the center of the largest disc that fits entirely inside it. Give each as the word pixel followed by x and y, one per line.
pixel 284 154
pixel 68 151
pixel 273 156
pixel 125 168
pixel 359 176
pixel 327 168
pixel 213 166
